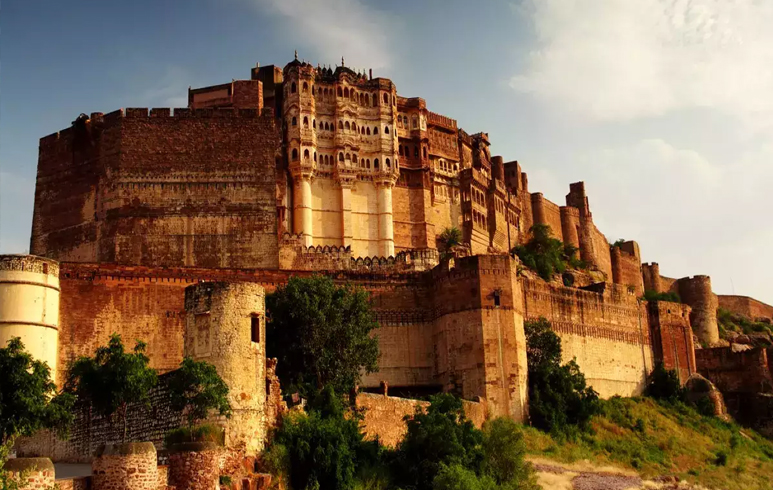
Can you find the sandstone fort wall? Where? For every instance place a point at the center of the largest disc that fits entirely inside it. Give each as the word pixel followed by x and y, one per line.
pixel 745 306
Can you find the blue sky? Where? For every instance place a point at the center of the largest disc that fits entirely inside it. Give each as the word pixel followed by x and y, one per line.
pixel 663 107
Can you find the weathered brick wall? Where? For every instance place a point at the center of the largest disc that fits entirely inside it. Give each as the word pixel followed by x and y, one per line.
pixel 89 432
pixel 696 292
pixel 33 473
pixel 384 415
pixel 736 372
pixel 195 469
pixel 195 188
pixel 411 203
pixel 672 337
pixel 545 212
pixel 607 332
pixel 79 483
pixel 745 306
pixel 626 266
pixel 126 467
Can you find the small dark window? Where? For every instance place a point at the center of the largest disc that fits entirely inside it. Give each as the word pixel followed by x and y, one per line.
pixel 293 88
pixel 255 328
pixel 496 298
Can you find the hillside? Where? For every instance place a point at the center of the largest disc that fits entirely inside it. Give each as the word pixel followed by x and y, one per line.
pixel 657 440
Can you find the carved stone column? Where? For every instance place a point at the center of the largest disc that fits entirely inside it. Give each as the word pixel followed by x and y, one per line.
pixel 302 223
pixel 386 238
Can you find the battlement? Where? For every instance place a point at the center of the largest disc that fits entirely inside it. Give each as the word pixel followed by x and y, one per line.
pixel 442 121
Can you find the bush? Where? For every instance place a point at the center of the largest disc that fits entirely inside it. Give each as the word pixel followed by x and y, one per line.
pixel 664 385
pixel 503 450
pixel 547 255
pixel 457 477
pixel 198 433
pixel 559 398
pixel 440 435
pixel 321 449
pixel 652 296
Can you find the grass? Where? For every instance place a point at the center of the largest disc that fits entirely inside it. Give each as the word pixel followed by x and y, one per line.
pixel 661 439
pixel 730 322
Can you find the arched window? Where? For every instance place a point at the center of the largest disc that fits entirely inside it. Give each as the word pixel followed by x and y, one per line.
pixel 314 123
pixel 295 154
pixel 354 158
pixel 425 152
pixel 305 87
pixel 293 88
pixel 386 131
pixel 388 164
pixel 375 163
pixel 416 152
pixel 340 92
pixel 354 127
pixel 305 154
pixel 295 121
pixel 386 99
pixel 375 100
pixel 368 163
pixel 346 92
pixel 368 131
pixel 415 122
pixel 340 125
pixel 400 150
pixel 305 122
pixel 315 156
pixel 375 130
pixel 347 126
pixel 341 157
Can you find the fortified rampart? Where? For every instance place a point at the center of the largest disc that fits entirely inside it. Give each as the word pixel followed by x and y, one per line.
pixel 192 188
pixel 746 307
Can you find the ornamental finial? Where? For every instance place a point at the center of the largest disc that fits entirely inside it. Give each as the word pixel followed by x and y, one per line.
pixel 296 54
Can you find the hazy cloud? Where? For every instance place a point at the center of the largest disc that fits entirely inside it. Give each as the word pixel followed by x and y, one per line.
pixel 335 28
pixel 621 60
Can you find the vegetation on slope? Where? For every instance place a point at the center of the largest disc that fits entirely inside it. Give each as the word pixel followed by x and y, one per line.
pixel 730 322
pixel 654 296
pixel 546 255
pixel 658 438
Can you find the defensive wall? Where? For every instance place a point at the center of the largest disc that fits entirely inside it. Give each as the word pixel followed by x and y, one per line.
pixel 745 306
pixel 138 187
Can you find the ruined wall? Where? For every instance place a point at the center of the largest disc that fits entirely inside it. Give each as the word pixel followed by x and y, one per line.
pixel 196 188
pixel 607 332
pixel 745 306
pixel 547 213
pixel 672 337
pixel 384 415
pixel 747 371
pixel 131 466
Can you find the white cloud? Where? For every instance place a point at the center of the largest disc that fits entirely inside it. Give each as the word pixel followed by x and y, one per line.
pixel 336 28
pixel 170 90
pixel 621 60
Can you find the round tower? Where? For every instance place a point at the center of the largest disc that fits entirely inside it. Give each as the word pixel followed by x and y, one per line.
pixel 225 326
pixel 696 292
pixel 29 305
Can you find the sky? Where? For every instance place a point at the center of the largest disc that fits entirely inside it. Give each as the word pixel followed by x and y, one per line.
pixel 663 107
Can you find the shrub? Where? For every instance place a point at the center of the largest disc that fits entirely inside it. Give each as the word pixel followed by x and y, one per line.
pixel 198 433
pixel 547 255
pixel 653 296
pixel 440 435
pixel 321 449
pixel 664 385
pixel 503 450
pixel 559 398
pixel 457 477
pixel 448 239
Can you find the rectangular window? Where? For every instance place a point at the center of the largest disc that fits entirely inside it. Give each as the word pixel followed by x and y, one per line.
pixel 255 328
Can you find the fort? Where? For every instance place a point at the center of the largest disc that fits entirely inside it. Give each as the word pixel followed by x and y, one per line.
pixel 170 226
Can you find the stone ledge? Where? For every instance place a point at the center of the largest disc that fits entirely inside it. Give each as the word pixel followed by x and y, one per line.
pixel 17 465
pixel 126 449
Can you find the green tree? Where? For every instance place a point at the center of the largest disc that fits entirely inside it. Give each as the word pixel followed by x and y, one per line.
pixel 113 379
pixel 450 237
pixel 196 389
pixel 439 436
pixel 28 398
pixel 654 296
pixel 558 394
pixel 663 384
pixel 457 477
pixel 547 255
pixel 321 334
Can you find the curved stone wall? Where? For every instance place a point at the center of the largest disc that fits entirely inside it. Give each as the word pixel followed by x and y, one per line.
pixel 40 472
pixel 195 466
pixel 131 466
pixel 29 305
pixel 696 292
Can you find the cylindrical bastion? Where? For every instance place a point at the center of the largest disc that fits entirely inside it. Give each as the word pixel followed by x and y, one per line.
pixel 195 466
pixel 131 466
pixel 39 471
pixel 29 305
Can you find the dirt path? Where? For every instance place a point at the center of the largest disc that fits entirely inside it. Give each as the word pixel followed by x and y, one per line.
pixel 584 476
